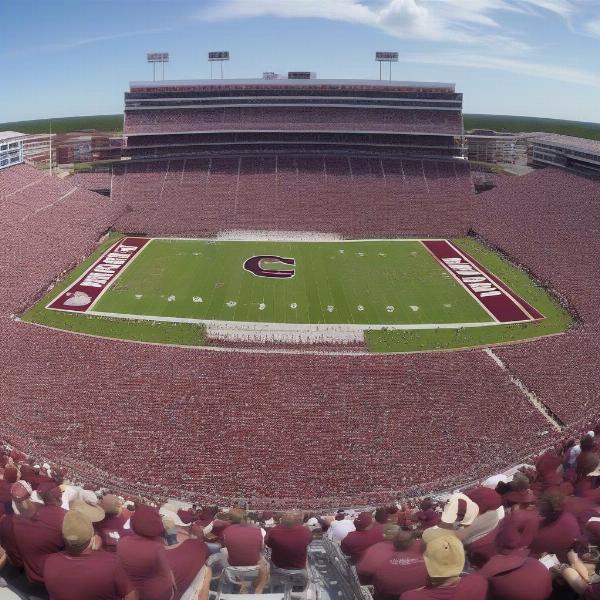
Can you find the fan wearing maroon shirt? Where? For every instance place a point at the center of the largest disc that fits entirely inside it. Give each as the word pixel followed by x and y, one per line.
pixel 558 528
pixel 401 571
pixel 427 516
pixel 289 542
pixel 512 574
pixel 9 477
pixel 444 559
pixel 155 572
pixel 82 573
pixel 244 543
pixel 38 530
pixel 377 554
pixel 366 534
pixel 112 528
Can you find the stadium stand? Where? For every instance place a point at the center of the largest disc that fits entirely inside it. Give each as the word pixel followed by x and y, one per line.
pixel 528 533
pixel 183 119
pixel 314 431
pixel 564 256
pixel 352 196
pixel 41 215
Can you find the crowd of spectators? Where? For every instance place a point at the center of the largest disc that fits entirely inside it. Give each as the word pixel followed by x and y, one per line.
pixel 531 535
pixel 43 216
pixel 318 118
pixel 351 195
pixel 344 408
pixel 549 221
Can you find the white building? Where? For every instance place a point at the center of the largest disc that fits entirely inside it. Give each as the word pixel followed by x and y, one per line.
pixel 11 148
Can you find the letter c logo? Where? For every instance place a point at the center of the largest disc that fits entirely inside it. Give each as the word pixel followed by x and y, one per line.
pixel 254 265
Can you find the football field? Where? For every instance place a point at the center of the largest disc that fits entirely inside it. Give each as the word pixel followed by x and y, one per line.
pixel 371 283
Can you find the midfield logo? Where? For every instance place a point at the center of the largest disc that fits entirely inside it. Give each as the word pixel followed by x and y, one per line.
pixel 254 265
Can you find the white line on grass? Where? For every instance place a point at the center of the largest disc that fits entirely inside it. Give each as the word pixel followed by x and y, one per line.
pixel 296 326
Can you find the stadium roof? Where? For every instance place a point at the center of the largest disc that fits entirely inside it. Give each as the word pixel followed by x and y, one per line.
pixel 293 83
pixel 9 135
pixel 568 142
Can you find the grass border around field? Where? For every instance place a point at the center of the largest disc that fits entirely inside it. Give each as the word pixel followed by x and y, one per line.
pixel 180 334
pixel 557 318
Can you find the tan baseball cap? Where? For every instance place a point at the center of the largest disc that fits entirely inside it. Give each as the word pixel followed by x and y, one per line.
pixel 444 556
pixel 77 529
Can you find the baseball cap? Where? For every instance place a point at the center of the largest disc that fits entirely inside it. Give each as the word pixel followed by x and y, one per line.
pixel 20 490
pixel 168 512
pixel 77 529
pixel 147 522
pixel 363 520
pixel 92 511
pixel 460 509
pixel 444 556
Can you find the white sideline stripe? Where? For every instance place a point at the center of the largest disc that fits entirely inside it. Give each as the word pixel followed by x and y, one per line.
pixel 531 397
pixel 292 239
pixel 260 326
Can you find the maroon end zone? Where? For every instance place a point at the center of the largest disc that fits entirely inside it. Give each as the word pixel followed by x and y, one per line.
pixel 496 298
pixel 80 296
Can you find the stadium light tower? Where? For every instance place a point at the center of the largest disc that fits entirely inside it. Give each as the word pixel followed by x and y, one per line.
pixel 220 57
pixel 388 57
pixel 157 57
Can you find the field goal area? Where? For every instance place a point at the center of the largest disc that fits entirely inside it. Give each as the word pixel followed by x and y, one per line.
pixel 338 285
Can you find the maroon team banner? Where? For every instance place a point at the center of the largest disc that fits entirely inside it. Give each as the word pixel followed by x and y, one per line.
pixel 80 296
pixel 498 300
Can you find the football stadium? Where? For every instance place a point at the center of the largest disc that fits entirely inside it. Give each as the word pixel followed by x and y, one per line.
pixel 285 301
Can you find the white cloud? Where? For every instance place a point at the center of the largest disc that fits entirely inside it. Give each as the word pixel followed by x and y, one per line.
pixel 459 21
pixel 593 27
pixel 531 69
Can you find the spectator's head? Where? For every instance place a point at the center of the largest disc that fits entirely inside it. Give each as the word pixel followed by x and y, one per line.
pixel 91 510
pixel 519 482
pixel 459 510
pixel 390 530
pixel 587 443
pixel 237 515
pixel 444 556
pixel 551 505
pixel 426 504
pixel 77 531
pixel 20 493
pixel 381 515
pixel 111 505
pixel 11 474
pixel 50 493
pixel 486 499
pixel 147 522
pixel 363 521
pixel 403 540
pixel 291 519
pixel 587 465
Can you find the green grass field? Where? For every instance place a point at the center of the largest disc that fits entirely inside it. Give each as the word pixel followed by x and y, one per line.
pixel 363 282
pixel 376 284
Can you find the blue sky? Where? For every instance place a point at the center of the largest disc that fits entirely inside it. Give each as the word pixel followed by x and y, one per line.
pixel 522 57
